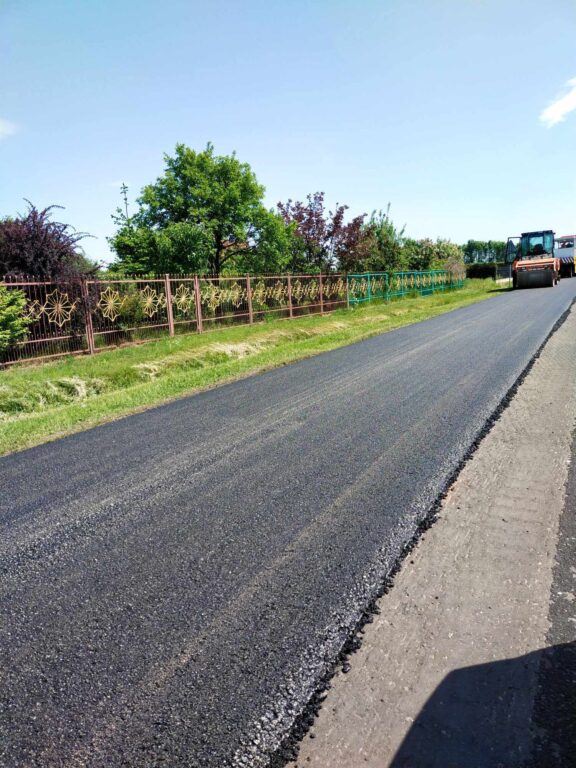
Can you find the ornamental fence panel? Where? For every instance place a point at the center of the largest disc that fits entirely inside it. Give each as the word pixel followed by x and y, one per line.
pixel 86 315
pixel 391 285
pixel 125 311
pixel 55 320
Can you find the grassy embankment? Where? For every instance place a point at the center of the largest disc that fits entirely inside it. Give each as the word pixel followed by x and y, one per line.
pixel 44 401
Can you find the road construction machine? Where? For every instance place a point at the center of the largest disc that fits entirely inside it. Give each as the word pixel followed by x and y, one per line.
pixel 564 250
pixel 534 263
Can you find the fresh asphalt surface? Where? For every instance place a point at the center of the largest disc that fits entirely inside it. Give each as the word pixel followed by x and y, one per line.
pixel 174 584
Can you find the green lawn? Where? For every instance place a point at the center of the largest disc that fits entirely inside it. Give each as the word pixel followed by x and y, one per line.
pixel 46 401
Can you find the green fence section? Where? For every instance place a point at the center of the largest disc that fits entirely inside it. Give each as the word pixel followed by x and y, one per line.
pixel 389 285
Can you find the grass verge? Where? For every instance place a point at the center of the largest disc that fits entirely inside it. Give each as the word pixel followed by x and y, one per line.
pixel 43 402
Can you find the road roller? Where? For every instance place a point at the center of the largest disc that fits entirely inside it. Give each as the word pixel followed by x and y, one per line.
pixel 534 264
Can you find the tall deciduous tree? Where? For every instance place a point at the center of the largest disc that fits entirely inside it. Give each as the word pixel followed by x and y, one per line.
pixel 33 244
pixel 179 247
pixel 380 248
pixel 205 213
pixel 324 240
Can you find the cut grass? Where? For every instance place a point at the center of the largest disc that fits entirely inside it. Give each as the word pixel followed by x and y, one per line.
pixel 42 402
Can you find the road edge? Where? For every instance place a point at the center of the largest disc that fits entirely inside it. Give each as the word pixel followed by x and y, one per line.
pixel 289 747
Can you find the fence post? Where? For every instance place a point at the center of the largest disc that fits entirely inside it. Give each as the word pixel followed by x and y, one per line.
pixel 369 287
pixel 249 295
pixel 198 304
pixel 169 310
pixel 290 309
pixel 88 317
pixel 347 291
pixel 321 294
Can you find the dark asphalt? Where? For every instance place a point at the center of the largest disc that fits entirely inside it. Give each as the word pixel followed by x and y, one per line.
pixel 175 583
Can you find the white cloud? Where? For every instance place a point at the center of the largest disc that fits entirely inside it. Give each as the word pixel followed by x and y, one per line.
pixel 6 128
pixel 561 106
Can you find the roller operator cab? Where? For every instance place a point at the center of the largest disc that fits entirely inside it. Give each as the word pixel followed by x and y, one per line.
pixel 534 263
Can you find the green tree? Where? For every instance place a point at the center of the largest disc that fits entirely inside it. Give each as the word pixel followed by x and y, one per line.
pixel 270 251
pixel 446 252
pixel 419 254
pixel 179 248
pixel 13 324
pixel 484 250
pixel 205 213
pixel 429 254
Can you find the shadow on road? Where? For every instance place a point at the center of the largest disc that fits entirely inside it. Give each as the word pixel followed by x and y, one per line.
pixel 514 713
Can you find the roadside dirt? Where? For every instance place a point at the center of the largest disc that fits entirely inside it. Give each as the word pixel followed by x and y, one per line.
pixel 448 672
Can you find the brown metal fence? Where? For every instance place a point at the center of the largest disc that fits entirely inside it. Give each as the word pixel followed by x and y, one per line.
pixel 87 315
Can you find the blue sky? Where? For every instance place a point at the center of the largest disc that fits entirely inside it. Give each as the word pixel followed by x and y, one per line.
pixel 436 106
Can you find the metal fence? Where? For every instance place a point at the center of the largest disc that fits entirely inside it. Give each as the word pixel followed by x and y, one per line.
pixel 88 315
pixel 384 285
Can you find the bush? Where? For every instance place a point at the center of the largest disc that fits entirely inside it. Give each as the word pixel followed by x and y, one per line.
pixel 482 269
pixel 13 324
pixel 132 310
pixel 32 244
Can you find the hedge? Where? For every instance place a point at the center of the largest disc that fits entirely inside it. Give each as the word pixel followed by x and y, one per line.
pixel 483 269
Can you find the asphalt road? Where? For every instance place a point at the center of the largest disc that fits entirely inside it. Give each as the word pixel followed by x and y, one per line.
pixel 174 584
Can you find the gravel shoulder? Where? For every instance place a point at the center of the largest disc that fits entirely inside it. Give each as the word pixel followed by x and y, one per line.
pixel 553 719
pixel 471 659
